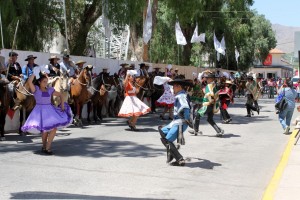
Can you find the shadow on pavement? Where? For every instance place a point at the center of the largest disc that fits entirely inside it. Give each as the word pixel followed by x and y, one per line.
pixel 90 147
pixel 54 195
pixel 202 163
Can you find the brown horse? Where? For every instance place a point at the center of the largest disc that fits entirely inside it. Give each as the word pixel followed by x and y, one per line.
pixel 80 94
pixel 4 105
pixel 24 101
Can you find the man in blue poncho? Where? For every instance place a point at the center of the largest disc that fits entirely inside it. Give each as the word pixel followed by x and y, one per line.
pixel 175 129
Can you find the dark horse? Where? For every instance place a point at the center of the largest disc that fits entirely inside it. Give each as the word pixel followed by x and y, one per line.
pixel 99 89
pixel 146 88
pixel 4 105
pixel 80 94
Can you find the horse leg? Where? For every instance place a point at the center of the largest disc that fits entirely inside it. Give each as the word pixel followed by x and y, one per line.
pixel 79 109
pixel 99 111
pixel 89 106
pixel 21 120
pixel 2 124
pixel 95 114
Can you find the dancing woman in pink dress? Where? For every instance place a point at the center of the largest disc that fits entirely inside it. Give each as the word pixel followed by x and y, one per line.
pixel 45 118
pixel 132 106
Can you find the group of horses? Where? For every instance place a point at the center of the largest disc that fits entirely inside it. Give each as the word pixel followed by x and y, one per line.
pixel 102 91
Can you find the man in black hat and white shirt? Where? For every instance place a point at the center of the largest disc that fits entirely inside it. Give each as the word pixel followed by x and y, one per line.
pixel 13 67
pixel 142 71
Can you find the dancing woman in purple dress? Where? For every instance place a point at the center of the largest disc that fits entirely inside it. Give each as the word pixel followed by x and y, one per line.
pixel 45 118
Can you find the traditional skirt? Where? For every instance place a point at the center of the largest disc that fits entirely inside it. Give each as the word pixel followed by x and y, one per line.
pixel 166 100
pixel 132 106
pixel 46 117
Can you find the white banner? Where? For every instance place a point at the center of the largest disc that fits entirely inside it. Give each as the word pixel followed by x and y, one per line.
pixel 148 25
pixel 237 55
pixel 197 38
pixel 179 35
pixel 219 47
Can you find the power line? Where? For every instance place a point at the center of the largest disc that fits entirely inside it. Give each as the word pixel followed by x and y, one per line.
pixel 285 43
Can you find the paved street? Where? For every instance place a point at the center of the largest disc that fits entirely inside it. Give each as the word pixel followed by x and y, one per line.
pixel 108 161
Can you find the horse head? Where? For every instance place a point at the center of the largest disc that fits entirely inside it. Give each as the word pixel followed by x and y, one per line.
pixel 63 82
pixel 86 76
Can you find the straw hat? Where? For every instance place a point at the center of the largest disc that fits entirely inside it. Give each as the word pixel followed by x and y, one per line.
pixel 80 62
pixel 228 82
pixel 54 57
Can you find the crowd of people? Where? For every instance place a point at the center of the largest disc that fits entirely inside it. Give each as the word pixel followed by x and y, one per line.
pixel 186 101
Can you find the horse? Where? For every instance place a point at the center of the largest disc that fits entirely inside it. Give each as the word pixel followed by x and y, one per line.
pixel 99 88
pixel 60 84
pixel 114 97
pixel 24 101
pixel 4 106
pixel 145 88
pixel 80 94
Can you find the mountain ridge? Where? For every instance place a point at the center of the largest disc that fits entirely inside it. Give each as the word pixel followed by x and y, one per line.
pixel 285 36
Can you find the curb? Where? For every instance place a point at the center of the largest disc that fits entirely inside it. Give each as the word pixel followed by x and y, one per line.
pixel 273 184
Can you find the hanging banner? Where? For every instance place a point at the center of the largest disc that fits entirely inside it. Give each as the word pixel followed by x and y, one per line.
pixel 223 46
pixel 219 47
pixel 147 33
pixel 237 55
pixel 268 60
pixel 179 35
pixel 197 38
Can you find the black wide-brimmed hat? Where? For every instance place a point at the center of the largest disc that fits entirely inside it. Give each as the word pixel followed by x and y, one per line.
pixel 142 65
pixel 250 77
pixel 182 82
pixel 209 75
pixel 29 57
pixel 124 64
pixel 12 54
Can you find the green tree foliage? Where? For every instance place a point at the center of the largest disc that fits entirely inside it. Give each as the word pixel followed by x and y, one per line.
pixel 35 26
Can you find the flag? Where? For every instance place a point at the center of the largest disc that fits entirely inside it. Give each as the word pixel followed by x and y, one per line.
pixel 223 46
pixel 216 43
pixel 179 35
pixel 197 38
pixel 148 25
pixel 201 37
pixel 237 55
pixel 219 46
pixel 218 56
pixel 195 35
pixel 105 21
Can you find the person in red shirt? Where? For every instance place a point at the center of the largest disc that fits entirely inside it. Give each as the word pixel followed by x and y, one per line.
pixel 132 106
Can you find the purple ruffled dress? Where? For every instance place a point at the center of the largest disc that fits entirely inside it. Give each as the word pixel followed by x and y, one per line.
pixel 45 116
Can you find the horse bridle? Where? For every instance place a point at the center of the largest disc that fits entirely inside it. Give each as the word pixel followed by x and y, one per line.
pixel 27 92
pixel 82 83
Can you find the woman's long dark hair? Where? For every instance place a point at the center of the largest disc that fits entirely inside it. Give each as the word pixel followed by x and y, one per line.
pixel 37 81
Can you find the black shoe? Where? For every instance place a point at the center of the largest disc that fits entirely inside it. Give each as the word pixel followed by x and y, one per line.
pixel 170 118
pixel 48 152
pixel 258 109
pixel 180 163
pixel 248 115
pixel 161 117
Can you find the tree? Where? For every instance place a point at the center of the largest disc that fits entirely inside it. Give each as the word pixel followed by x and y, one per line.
pixel 35 27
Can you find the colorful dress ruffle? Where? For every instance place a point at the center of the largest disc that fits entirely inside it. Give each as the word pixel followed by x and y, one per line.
pixel 167 98
pixel 132 106
pixel 45 117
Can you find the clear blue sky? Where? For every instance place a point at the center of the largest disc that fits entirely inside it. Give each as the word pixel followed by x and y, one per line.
pixel 286 12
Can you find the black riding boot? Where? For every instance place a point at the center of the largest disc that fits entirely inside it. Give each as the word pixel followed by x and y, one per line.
pixel 175 153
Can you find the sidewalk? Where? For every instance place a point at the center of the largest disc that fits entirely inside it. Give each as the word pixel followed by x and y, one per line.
pixel 285 183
